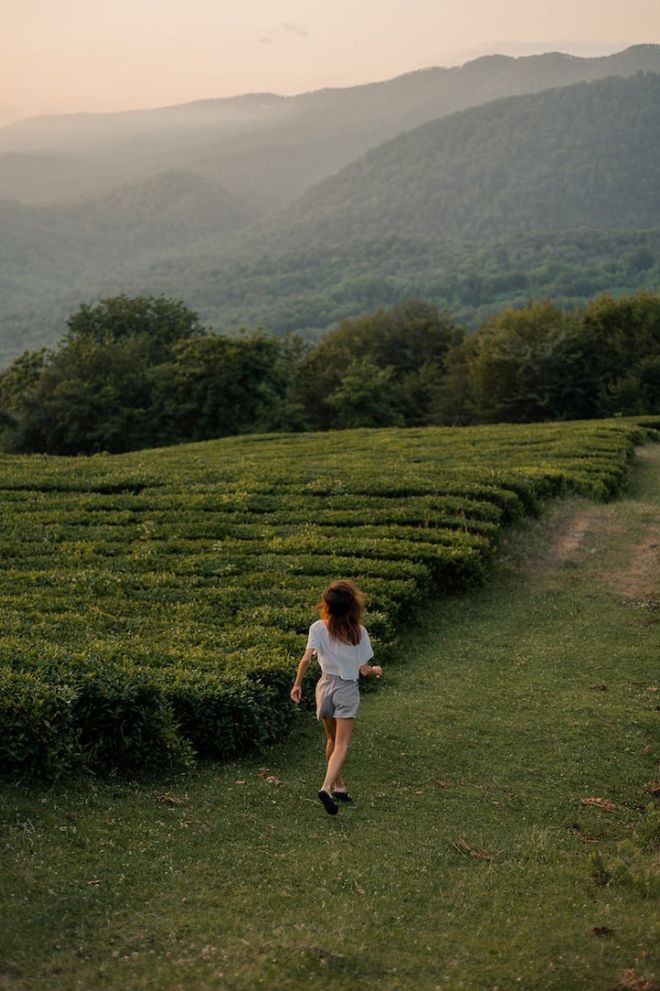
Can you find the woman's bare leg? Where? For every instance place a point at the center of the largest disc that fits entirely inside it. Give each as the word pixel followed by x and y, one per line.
pixel 330 726
pixel 341 743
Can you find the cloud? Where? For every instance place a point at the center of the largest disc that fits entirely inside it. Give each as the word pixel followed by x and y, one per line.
pixel 278 34
pixel 298 29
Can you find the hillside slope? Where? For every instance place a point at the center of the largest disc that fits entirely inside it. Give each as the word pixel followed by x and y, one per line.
pixel 269 148
pixel 554 194
pixel 201 563
pixel 173 210
pixel 580 156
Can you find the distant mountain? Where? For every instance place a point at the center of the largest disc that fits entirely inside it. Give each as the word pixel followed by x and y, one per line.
pixel 269 148
pixel 175 209
pixel 172 210
pixel 28 177
pixel 556 193
pixel 580 156
pixel 51 257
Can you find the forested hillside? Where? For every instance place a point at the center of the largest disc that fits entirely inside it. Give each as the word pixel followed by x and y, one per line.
pixel 552 194
pixel 309 290
pixel 269 148
pixel 170 210
pixel 556 194
pixel 579 156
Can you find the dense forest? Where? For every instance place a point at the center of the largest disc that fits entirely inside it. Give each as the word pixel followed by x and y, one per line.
pixel 554 194
pixel 263 148
pixel 312 289
pixel 143 372
pixel 579 156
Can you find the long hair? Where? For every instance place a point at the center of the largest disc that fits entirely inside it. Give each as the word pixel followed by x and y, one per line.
pixel 342 606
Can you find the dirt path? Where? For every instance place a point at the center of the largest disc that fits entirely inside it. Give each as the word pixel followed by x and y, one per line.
pixel 615 544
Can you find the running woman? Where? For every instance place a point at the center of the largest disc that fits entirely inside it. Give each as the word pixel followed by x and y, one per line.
pixel 343 648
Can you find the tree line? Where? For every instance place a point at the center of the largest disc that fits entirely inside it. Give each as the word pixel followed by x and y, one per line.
pixel 134 372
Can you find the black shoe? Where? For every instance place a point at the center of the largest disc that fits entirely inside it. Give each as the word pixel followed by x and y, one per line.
pixel 328 803
pixel 341 796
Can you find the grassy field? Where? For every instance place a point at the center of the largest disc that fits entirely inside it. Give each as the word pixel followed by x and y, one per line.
pixel 152 604
pixel 468 859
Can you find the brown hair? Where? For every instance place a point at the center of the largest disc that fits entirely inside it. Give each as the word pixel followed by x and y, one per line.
pixel 342 606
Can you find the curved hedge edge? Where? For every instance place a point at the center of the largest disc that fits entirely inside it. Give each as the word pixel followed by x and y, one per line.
pixel 164 717
pixel 38 726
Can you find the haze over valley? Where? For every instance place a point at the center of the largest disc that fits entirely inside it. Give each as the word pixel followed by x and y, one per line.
pixel 471 186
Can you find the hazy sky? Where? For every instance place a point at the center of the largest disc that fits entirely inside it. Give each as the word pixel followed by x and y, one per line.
pixel 58 56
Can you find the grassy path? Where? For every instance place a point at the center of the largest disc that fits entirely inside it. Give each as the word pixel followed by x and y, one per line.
pixel 468 859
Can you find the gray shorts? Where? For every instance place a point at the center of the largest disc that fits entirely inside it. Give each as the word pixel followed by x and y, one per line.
pixel 336 698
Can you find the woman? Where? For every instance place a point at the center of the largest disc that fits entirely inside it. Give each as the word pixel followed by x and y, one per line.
pixel 343 647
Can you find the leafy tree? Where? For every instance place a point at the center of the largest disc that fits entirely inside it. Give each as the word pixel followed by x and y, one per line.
pixel 18 399
pixel 364 397
pixel 538 362
pixel 159 320
pixel 92 396
pixel 455 403
pixel 404 339
pixel 216 385
pixel 619 340
pixel 518 367
pixel 93 392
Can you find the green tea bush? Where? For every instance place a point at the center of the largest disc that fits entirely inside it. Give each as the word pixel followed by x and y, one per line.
pixel 124 719
pixel 39 733
pixel 154 605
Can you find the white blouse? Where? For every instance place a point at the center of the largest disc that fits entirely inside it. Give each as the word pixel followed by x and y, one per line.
pixel 336 657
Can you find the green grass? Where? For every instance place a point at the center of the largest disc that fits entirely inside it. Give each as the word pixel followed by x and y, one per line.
pixel 152 604
pixel 503 709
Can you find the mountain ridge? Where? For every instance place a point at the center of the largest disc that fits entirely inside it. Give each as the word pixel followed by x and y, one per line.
pixel 460 147
pixel 492 179
pixel 230 139
pixel 613 60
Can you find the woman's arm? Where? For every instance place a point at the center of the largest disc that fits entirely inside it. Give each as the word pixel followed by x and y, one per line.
pixel 296 691
pixel 371 670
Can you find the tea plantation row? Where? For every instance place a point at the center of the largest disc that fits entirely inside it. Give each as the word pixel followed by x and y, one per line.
pixel 154 605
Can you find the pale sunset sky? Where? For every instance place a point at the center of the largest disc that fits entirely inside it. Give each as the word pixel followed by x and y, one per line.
pixel 63 56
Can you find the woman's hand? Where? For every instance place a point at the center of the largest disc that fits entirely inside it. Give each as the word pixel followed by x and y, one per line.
pixel 296 692
pixel 376 671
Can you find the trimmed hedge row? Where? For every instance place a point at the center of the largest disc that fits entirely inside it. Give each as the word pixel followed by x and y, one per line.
pixel 155 604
